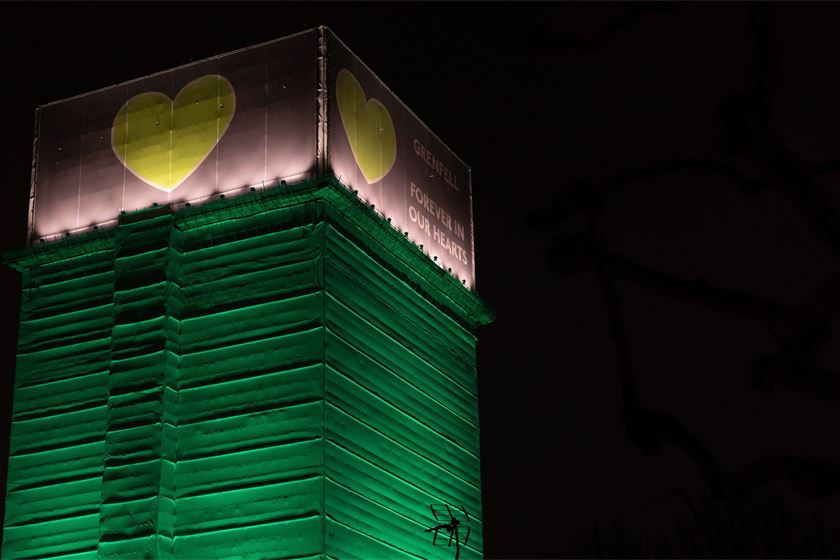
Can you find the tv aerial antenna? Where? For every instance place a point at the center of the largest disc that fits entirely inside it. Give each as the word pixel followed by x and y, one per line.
pixel 451 521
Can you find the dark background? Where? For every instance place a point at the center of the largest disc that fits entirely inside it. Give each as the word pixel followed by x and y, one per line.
pixel 687 157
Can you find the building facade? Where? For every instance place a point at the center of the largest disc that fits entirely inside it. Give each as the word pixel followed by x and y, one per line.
pixel 280 374
pixel 281 370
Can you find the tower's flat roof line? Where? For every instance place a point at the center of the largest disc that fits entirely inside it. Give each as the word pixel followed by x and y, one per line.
pixel 179 67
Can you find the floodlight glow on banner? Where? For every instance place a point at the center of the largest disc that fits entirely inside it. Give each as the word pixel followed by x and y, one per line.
pixel 247 118
pixel 266 348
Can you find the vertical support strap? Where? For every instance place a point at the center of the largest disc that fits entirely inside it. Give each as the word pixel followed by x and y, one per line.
pixel 322 148
pixel 30 224
pixel 138 485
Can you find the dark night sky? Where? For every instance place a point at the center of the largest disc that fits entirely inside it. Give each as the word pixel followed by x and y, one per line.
pixel 538 98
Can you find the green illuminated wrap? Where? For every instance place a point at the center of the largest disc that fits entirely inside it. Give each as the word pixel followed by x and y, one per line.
pixel 279 375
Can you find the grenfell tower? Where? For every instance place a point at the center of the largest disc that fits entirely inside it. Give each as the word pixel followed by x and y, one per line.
pixel 248 320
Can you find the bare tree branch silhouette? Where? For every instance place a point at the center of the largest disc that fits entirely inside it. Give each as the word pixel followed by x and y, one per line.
pixel 800 333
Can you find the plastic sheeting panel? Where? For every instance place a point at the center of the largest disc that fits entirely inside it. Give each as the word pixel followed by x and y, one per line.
pixel 269 382
pixel 283 110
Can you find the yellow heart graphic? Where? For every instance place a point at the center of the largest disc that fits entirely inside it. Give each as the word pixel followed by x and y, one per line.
pixel 163 141
pixel 369 128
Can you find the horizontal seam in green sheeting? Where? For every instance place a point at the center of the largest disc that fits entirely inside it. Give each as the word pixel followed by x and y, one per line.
pixel 455 382
pixel 441 341
pixel 280 519
pixel 249 486
pixel 401 378
pixel 402 412
pixel 424 459
pixel 380 468
pixel 421 526
pixel 239 414
pixel 383 543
